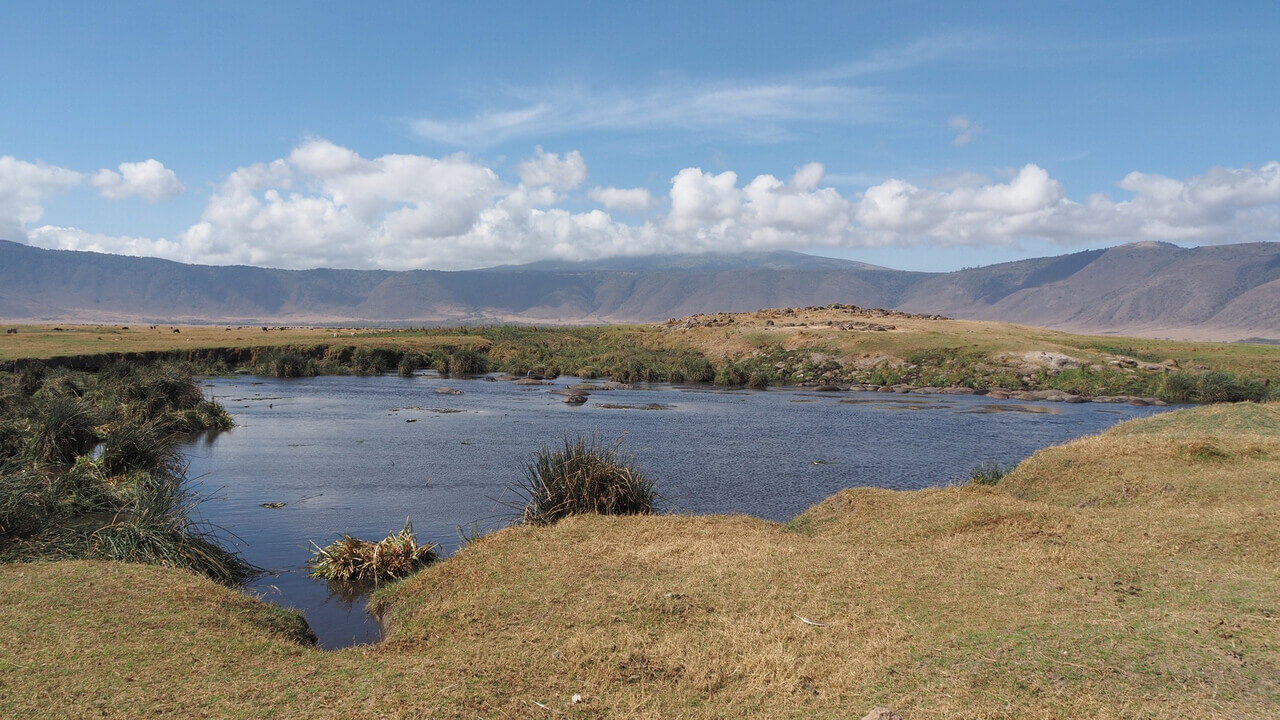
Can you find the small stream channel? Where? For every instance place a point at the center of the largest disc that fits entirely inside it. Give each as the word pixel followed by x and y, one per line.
pixel 360 454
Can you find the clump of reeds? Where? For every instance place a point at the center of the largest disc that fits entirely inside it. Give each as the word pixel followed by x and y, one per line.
pixel 150 392
pixel 156 528
pixel 461 362
pixel 61 429
pixel 409 363
pixel 286 364
pixel 988 473
pixel 585 476
pixel 355 561
pixel 130 446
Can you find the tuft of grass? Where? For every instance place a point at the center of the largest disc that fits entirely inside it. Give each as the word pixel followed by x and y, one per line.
pixel 359 562
pixel 409 363
pixel 988 473
pixel 131 446
pixel 286 364
pixel 62 429
pixel 584 476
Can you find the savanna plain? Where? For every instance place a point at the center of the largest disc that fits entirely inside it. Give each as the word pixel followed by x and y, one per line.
pixel 1127 574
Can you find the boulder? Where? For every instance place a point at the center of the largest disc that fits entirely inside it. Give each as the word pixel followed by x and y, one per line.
pixel 575 399
pixel 448 391
pixel 531 381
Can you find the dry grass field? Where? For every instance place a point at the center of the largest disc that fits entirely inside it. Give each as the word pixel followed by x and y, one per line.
pixel 1127 575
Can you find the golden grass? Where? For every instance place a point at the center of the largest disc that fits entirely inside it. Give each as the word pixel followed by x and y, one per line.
pixel 746 337
pixel 1131 574
pixel 43 341
pixel 910 335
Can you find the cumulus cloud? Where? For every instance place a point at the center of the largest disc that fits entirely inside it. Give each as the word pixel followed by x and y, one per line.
pixel 624 199
pixel 966 129
pixel 326 205
pixel 149 180
pixel 551 170
pixel 24 188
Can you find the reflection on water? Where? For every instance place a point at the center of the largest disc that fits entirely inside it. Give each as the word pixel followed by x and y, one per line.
pixel 359 454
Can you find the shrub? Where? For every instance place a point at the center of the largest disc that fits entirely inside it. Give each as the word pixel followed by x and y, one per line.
pixel 352 560
pixel 585 476
pixel 988 473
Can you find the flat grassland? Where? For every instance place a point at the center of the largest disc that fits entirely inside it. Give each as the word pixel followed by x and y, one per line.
pixel 767 334
pixel 1130 574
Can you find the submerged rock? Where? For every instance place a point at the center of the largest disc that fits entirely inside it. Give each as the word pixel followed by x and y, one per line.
pixel 448 391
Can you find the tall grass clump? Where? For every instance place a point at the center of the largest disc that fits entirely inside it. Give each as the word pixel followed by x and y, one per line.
pixel 156 528
pixel 359 562
pixel 286 364
pixel 583 476
pixel 61 429
pixel 410 363
pixel 988 473
pixel 131 446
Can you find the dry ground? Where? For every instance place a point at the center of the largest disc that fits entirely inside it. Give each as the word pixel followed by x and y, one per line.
pixel 1132 574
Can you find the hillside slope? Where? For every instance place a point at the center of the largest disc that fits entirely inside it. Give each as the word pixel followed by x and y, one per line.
pixel 1221 293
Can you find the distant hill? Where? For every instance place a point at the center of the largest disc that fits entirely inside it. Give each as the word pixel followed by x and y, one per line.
pixel 1223 292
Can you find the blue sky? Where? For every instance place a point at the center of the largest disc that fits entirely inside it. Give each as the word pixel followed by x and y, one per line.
pixel 305 134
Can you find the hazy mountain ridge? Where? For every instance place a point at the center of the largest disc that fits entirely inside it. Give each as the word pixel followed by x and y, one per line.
pixel 1220 292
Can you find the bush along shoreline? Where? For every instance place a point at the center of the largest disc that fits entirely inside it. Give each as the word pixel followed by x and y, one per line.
pixel 89 468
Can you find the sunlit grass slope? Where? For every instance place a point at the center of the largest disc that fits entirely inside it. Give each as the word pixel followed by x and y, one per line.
pixel 1132 574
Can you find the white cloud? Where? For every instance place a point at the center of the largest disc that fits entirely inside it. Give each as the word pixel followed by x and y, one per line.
pixel 149 180
pixel 966 129
pixel 24 188
pixel 551 170
pixel 325 205
pixel 624 199
pixel 751 111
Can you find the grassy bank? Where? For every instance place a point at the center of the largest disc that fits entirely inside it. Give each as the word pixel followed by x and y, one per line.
pixel 89 468
pixel 835 345
pixel 1130 574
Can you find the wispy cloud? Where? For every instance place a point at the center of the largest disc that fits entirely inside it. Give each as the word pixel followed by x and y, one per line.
pixel 760 110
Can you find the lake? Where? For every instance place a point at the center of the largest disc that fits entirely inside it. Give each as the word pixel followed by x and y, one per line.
pixel 362 454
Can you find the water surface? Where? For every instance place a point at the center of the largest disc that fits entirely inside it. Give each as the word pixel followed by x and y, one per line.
pixel 360 454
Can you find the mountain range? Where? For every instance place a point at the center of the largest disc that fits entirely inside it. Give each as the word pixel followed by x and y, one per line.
pixel 1224 292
